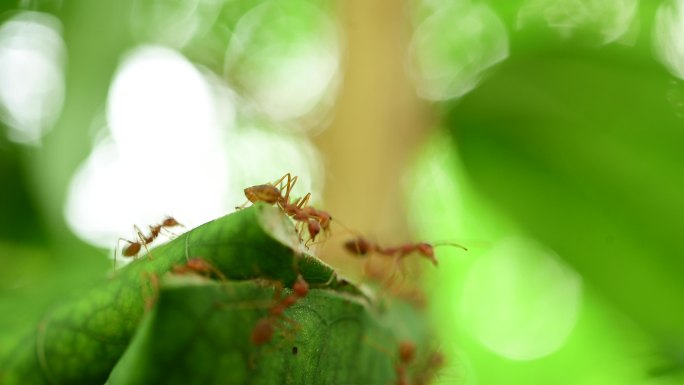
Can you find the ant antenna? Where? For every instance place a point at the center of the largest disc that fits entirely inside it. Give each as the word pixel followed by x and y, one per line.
pixel 446 243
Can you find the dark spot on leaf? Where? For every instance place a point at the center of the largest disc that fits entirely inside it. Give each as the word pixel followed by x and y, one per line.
pixel 294 350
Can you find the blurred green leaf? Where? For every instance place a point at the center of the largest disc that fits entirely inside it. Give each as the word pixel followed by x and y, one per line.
pixel 584 149
pixel 80 340
pixel 200 333
pixel 20 221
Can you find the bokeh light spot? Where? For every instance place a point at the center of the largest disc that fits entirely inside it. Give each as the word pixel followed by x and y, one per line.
pixel 172 22
pixel 452 48
pixel 284 57
pixel 32 55
pixel 611 19
pixel 668 36
pixel 159 97
pixel 520 301
pixel 166 155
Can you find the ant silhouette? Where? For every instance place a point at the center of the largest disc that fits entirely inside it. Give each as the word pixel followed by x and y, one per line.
pixel 133 247
pixel 362 247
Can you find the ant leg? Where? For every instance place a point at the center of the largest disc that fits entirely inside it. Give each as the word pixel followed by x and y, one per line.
pixel 299 229
pixel 142 238
pixel 217 272
pixel 389 281
pixel 278 291
pixel 289 333
pixel 301 202
pixel 208 266
pixel 280 180
pixel 310 242
pixel 290 182
pixel 150 292
pixel 366 270
pixel 401 270
pixel 116 251
pixel 290 185
pixel 170 234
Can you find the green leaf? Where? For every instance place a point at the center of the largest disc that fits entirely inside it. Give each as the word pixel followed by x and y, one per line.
pixel 199 333
pixel 79 340
pixel 584 149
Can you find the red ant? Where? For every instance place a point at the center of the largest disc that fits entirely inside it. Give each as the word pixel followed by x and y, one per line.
pixel 323 217
pixel 198 266
pixel 406 357
pixel 315 220
pixel 155 230
pixel 265 327
pixel 361 247
pixel 133 248
pixel 406 353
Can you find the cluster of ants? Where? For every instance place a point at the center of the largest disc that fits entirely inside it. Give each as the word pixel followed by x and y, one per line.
pixel 315 220
pixel 308 219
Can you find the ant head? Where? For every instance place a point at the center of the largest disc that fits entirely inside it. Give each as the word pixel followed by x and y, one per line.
pixel 170 222
pixel 428 251
pixel 301 287
pixel 263 193
pixel 406 351
pixel 314 228
pixel 325 219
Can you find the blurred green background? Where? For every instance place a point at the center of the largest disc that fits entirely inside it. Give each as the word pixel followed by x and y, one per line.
pixel 546 135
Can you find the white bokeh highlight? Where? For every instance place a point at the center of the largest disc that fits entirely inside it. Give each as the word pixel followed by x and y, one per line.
pixel 32 85
pixel 668 36
pixel 452 48
pixel 613 20
pixel 173 23
pixel 165 156
pixel 259 156
pixel 284 58
pixel 520 301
